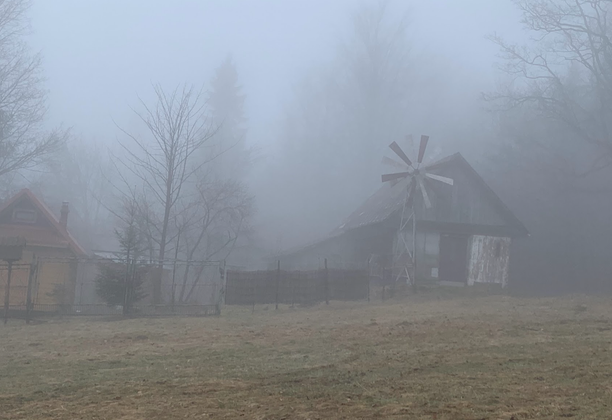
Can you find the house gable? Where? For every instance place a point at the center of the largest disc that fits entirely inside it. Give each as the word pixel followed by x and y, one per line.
pixel 24 212
pixel 26 216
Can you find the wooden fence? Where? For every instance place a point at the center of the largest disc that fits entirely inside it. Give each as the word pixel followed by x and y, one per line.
pixel 295 287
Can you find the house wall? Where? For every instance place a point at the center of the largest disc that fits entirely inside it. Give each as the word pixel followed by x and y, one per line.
pixel 56 277
pixel 53 284
pixel 19 283
pixel 489 260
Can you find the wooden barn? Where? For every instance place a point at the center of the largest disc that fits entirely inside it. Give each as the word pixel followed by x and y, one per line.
pixel 47 239
pixel 465 237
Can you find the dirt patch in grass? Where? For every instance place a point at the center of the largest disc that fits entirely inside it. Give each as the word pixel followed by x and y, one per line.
pixel 491 357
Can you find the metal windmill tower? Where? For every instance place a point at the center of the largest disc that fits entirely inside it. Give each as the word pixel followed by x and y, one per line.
pixel 404 261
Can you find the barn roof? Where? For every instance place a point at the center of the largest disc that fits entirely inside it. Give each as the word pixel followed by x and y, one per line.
pixel 57 236
pixel 390 198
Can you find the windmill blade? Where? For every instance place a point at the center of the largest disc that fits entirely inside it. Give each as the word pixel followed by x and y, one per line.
pixel 392 177
pixel 394 163
pixel 410 142
pixel 398 151
pixel 440 178
pixel 422 148
pixel 424 192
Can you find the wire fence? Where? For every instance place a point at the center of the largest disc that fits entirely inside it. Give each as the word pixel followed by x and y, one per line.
pixel 110 286
pixel 295 287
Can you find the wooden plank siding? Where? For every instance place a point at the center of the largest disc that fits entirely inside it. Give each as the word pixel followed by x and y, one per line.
pixel 489 260
pixel 54 283
pixel 463 203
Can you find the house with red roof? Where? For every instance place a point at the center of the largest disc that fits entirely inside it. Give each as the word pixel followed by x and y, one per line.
pixel 49 243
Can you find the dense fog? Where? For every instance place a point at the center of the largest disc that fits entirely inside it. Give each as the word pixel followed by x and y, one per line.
pixel 233 130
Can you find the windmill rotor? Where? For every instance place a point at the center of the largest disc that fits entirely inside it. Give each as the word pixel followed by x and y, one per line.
pixel 398 151
pixel 394 163
pixel 422 148
pixel 418 178
pixel 416 174
pixel 411 145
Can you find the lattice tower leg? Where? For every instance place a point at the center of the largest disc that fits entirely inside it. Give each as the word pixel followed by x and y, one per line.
pixel 403 248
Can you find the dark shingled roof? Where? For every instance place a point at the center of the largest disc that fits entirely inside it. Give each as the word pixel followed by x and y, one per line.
pixel 390 198
pixel 386 201
pixel 378 208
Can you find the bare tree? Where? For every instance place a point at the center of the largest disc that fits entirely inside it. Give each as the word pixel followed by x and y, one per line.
pixel 340 121
pixel 77 173
pixel 163 160
pixel 555 124
pixel 565 75
pixel 214 224
pixel 23 143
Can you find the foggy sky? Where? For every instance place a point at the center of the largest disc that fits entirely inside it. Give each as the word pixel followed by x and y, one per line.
pixel 99 54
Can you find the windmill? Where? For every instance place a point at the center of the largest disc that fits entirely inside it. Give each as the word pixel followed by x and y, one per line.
pixel 404 260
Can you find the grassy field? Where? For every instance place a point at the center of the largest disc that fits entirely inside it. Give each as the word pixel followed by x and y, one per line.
pixel 475 358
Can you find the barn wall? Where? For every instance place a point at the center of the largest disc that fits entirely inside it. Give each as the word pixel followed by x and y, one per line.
pixel 462 203
pixel 428 255
pixel 428 252
pixel 350 250
pixel 489 260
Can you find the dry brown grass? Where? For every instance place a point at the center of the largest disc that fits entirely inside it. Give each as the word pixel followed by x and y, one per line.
pixel 463 358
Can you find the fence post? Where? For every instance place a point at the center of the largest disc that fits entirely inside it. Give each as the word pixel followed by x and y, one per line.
pixel 126 286
pixel 253 293
pixel 277 281
pixel 33 269
pixel 7 291
pixel 369 274
pixel 174 281
pixel 293 290
pixel 223 283
pixel 326 274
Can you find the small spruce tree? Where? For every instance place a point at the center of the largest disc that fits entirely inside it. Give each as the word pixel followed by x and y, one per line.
pixel 120 282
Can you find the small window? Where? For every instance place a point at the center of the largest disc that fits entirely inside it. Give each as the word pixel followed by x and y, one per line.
pixel 24 216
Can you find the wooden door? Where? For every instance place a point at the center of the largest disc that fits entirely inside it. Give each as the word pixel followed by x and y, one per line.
pixel 453 258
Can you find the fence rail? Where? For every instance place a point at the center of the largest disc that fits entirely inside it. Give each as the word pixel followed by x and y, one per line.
pixel 295 287
pixel 70 286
